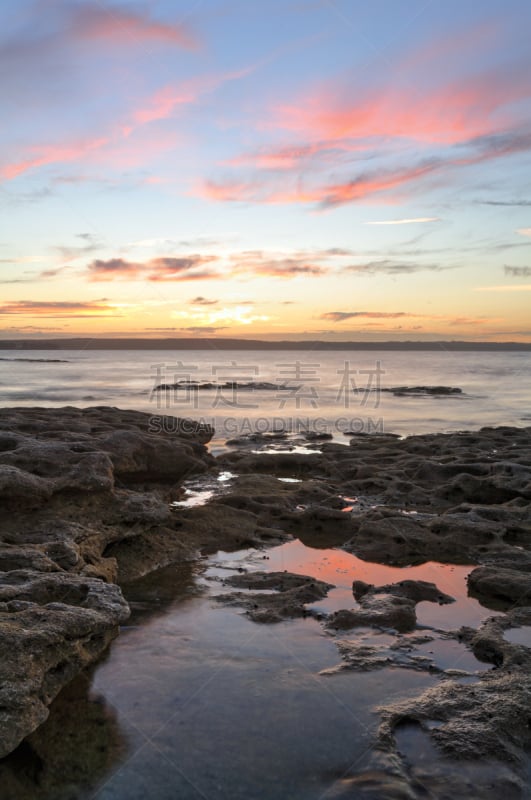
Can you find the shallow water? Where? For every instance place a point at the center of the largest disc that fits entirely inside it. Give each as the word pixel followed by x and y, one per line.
pixel 196 701
pixel 519 635
pixel 340 568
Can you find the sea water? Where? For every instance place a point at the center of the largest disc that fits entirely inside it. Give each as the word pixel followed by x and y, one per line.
pixel 332 391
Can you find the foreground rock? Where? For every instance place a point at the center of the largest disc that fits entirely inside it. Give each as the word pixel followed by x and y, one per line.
pixel 51 626
pixel 74 485
pixel 89 500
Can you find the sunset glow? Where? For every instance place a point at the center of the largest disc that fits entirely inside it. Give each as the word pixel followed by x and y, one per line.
pixel 283 170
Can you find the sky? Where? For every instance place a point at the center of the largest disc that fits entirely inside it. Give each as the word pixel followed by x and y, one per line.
pixel 296 169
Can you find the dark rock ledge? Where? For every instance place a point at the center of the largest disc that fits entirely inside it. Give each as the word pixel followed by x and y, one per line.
pixel 75 486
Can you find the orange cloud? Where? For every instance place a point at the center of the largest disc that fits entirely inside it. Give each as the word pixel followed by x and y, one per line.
pixel 58 309
pixel 228 191
pixel 192 267
pixel 264 265
pixel 169 268
pixel 342 316
pixel 112 268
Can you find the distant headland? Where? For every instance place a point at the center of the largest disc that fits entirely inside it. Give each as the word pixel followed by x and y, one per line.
pixel 97 343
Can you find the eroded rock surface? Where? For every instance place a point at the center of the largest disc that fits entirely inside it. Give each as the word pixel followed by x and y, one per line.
pixel 287 598
pixel 389 606
pixel 76 486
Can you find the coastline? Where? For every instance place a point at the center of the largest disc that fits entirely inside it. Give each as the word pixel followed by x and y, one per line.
pixel 222 343
pixel 89 493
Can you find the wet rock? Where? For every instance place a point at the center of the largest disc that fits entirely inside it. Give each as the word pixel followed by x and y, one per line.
pixel 292 593
pixel 142 457
pixel 51 626
pixel 381 612
pixel 423 391
pixel 417 591
pixel 247 386
pixel 487 719
pixel 500 588
pixel 389 606
pixel 97 478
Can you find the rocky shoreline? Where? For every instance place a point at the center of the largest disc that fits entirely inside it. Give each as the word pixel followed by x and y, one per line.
pixel 89 501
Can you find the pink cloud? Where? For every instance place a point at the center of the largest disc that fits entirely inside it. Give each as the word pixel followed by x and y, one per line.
pixel 164 102
pixel 123 26
pixel 42 155
pixel 375 185
pixel 426 105
pixel 115 151
pixel 441 114
pixel 290 156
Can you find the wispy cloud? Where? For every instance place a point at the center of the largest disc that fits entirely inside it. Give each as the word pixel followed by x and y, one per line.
pixel 41 155
pixel 202 301
pixel 524 231
pixel 412 221
pixel 436 111
pixel 72 252
pixel 261 264
pixel 207 329
pixel 522 203
pixel 342 316
pixel 165 101
pixel 379 184
pixel 123 25
pixel 113 268
pixel 164 268
pixel 59 309
pixel 452 121
pixel 180 268
pixel 390 267
pixel 251 263
pixel 522 287
pixel 518 272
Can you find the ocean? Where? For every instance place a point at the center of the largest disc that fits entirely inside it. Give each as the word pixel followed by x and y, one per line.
pixel 333 391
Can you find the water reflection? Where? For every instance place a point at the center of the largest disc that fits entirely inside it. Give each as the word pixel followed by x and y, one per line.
pixel 71 753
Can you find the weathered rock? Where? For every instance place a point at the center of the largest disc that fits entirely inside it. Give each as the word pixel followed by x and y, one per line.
pixel 499 587
pixel 51 626
pixel 390 606
pixel 488 719
pixel 59 608
pixel 291 594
